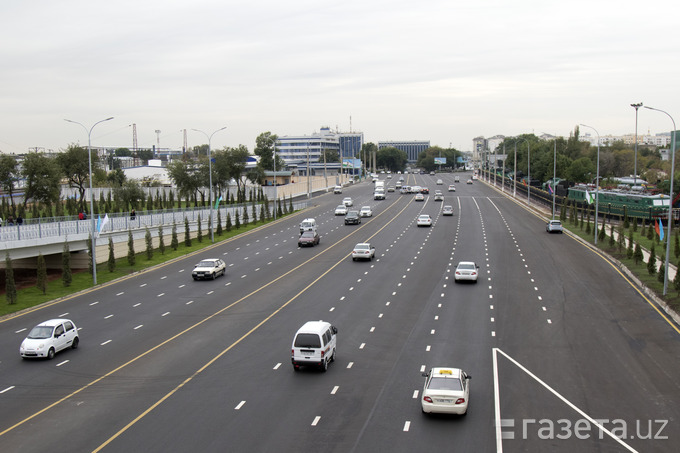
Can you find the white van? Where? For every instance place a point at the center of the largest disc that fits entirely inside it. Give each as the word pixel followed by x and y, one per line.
pixel 314 345
pixel 307 225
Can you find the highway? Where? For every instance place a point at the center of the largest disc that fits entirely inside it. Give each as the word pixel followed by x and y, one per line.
pixel 565 354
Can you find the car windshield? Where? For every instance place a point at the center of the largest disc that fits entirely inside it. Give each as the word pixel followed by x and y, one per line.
pixel 361 247
pixel 308 234
pixel 206 264
pixel 444 383
pixel 341 207
pixel 466 266
pixel 39 332
pixel 424 217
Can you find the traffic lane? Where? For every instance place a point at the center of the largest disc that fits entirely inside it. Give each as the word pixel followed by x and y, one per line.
pixel 315 302
pixel 588 342
pixel 453 330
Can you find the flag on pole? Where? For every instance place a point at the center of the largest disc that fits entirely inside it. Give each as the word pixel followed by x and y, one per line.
pixel 217 203
pixel 101 223
pixel 658 226
pixel 550 188
pixel 590 198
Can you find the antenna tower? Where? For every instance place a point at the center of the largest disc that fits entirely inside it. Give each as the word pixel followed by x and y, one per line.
pixel 134 137
pixel 184 148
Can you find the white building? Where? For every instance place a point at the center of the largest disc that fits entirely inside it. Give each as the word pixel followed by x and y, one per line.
pixel 294 149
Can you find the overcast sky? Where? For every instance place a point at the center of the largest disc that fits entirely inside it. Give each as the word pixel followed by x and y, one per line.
pixel 440 70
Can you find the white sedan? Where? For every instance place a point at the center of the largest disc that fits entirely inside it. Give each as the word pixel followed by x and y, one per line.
pixel 419 197
pixel 446 391
pixel 50 337
pixel 466 270
pixel 424 220
pixel 347 201
pixel 341 210
pixel 209 268
pixel 363 251
pixel 366 211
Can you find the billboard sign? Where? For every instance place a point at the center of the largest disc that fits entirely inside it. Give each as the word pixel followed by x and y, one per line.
pixel 440 160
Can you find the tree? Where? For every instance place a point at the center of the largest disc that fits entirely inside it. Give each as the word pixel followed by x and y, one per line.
pixel 199 233
pixel 41 278
pixel 661 275
pixel 10 286
pixel 174 243
pixel 637 254
pixel 42 176
pixel 229 165
pixel 111 263
pixel 651 262
pixel 189 176
pixel 161 240
pixel 629 250
pixel 264 147
pixel 75 166
pixel 149 244
pixel 66 275
pixel 130 195
pixel 131 258
pixel 9 175
pixel 219 223
pixel 228 222
pixel 187 233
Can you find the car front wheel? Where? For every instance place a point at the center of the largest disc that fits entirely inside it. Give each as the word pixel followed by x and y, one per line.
pixel 74 345
pixel 50 354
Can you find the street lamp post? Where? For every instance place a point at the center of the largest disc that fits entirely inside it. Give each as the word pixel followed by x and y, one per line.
pixel 514 190
pixel 89 159
pixel 636 107
pixel 554 189
pixel 670 200
pixel 597 182
pixel 210 216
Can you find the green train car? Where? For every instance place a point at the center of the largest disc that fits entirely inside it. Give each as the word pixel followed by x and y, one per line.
pixel 612 202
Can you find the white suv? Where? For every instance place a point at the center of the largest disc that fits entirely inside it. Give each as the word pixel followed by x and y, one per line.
pixel 553 226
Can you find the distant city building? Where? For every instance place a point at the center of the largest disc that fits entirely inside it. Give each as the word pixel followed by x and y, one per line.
pixel 295 149
pixel 412 148
pixel 350 144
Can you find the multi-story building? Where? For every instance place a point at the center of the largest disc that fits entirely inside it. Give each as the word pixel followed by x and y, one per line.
pixel 294 149
pixel 412 148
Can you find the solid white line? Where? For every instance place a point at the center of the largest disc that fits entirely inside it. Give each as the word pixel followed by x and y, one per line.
pixel 497 403
pixel 567 402
pixel 7 389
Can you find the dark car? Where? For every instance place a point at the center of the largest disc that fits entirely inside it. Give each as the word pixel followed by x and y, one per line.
pixel 309 238
pixel 425 190
pixel 353 218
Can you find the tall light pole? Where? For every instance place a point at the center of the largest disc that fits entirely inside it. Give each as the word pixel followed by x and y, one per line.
pixel 670 200
pixel 554 190
pixel 597 182
pixel 89 159
pixel 210 216
pixel 636 107
pixel 276 194
pixel 514 190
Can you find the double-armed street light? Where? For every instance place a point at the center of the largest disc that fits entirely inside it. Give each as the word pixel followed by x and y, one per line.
pixel 670 200
pixel 210 216
pixel 89 159
pixel 597 182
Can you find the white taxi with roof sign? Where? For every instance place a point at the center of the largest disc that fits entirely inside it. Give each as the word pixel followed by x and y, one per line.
pixel 446 391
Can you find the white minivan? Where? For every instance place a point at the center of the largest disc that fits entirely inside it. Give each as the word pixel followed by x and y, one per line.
pixel 307 225
pixel 314 345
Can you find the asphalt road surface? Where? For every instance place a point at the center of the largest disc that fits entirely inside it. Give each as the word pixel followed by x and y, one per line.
pixel 564 352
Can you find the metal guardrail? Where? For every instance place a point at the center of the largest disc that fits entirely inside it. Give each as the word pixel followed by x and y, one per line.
pixel 53 227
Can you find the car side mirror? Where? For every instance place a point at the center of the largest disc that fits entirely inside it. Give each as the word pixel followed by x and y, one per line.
pixel 335 330
pixel 467 376
pixel 425 374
